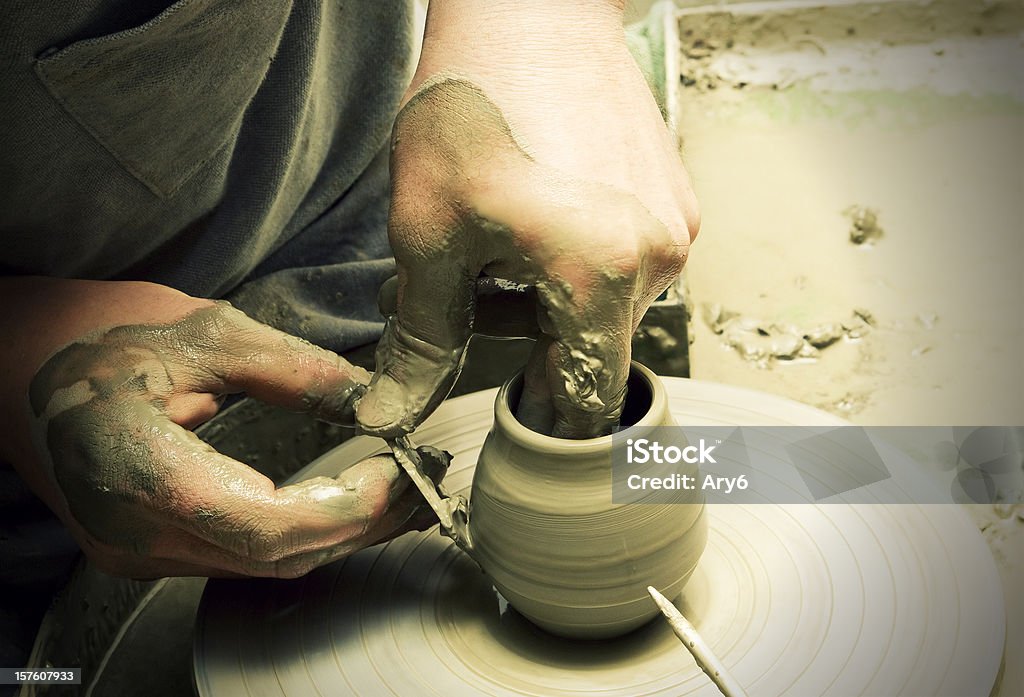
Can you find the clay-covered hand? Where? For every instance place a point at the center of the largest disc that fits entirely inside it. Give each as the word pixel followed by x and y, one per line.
pixel 529 149
pixel 111 412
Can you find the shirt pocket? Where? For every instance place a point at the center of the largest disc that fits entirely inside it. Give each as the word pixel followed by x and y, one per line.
pixel 163 97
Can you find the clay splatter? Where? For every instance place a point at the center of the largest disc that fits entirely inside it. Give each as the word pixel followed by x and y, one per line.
pixel 864 227
pixel 762 342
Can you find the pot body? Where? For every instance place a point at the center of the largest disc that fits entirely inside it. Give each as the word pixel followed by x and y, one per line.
pixel 546 531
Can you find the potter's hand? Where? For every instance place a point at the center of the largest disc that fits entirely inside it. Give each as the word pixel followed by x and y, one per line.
pixel 529 149
pixel 144 497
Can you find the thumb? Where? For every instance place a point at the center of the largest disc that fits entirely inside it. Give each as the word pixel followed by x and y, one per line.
pixel 413 376
pixel 422 349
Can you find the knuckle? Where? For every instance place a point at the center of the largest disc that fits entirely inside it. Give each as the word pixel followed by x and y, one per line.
pixel 265 543
pixel 419 228
pixel 673 258
pixel 667 250
pixel 221 317
pixel 626 260
pixel 612 256
pixel 217 333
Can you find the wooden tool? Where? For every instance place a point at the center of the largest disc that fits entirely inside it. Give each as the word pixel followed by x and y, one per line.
pixel 693 642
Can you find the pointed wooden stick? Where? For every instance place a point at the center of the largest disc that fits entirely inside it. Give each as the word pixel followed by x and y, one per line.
pixel 693 642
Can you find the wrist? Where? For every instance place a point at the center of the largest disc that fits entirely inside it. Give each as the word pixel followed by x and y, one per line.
pixel 499 17
pixel 520 42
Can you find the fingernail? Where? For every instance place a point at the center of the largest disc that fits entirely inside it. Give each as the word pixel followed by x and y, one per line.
pixel 337 406
pixel 383 410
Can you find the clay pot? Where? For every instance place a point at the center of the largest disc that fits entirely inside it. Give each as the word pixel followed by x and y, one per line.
pixel 547 533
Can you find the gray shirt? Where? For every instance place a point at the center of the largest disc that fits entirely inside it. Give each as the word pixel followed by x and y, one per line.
pixel 223 147
pixel 227 148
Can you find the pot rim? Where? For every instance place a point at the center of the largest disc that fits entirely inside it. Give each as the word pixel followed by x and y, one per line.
pixel 527 438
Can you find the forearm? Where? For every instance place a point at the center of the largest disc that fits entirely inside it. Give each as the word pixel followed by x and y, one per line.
pixel 520 40
pixel 520 20
pixel 559 72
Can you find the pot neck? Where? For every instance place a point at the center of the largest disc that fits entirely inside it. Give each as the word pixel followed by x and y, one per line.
pixel 641 380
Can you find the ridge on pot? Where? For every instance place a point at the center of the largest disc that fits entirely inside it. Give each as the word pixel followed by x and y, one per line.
pixel 546 531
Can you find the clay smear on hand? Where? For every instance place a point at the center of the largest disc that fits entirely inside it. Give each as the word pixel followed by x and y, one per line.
pixel 469 200
pixel 112 412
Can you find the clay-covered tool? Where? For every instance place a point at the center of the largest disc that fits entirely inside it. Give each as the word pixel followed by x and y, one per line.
pixel 696 645
pixel 452 511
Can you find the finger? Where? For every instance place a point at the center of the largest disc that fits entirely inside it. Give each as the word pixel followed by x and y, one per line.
pixel 423 346
pixel 175 498
pixel 535 410
pixel 240 511
pixel 227 351
pixel 215 349
pixel 436 159
pixel 177 551
pixel 587 368
pixel 129 474
pixel 234 507
pixel 259 523
pixel 191 409
pixel 599 259
pixel 434 464
pixel 408 512
pixel 595 268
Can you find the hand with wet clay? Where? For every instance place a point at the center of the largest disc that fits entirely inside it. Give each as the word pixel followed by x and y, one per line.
pixel 116 374
pixel 515 159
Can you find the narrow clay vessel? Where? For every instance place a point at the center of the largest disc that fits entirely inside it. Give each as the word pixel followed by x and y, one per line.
pixel 546 531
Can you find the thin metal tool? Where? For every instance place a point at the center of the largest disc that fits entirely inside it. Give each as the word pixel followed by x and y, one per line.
pixel 452 511
pixel 410 462
pixel 693 642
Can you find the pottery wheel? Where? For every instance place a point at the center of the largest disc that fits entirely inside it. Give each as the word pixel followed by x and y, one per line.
pixel 865 599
